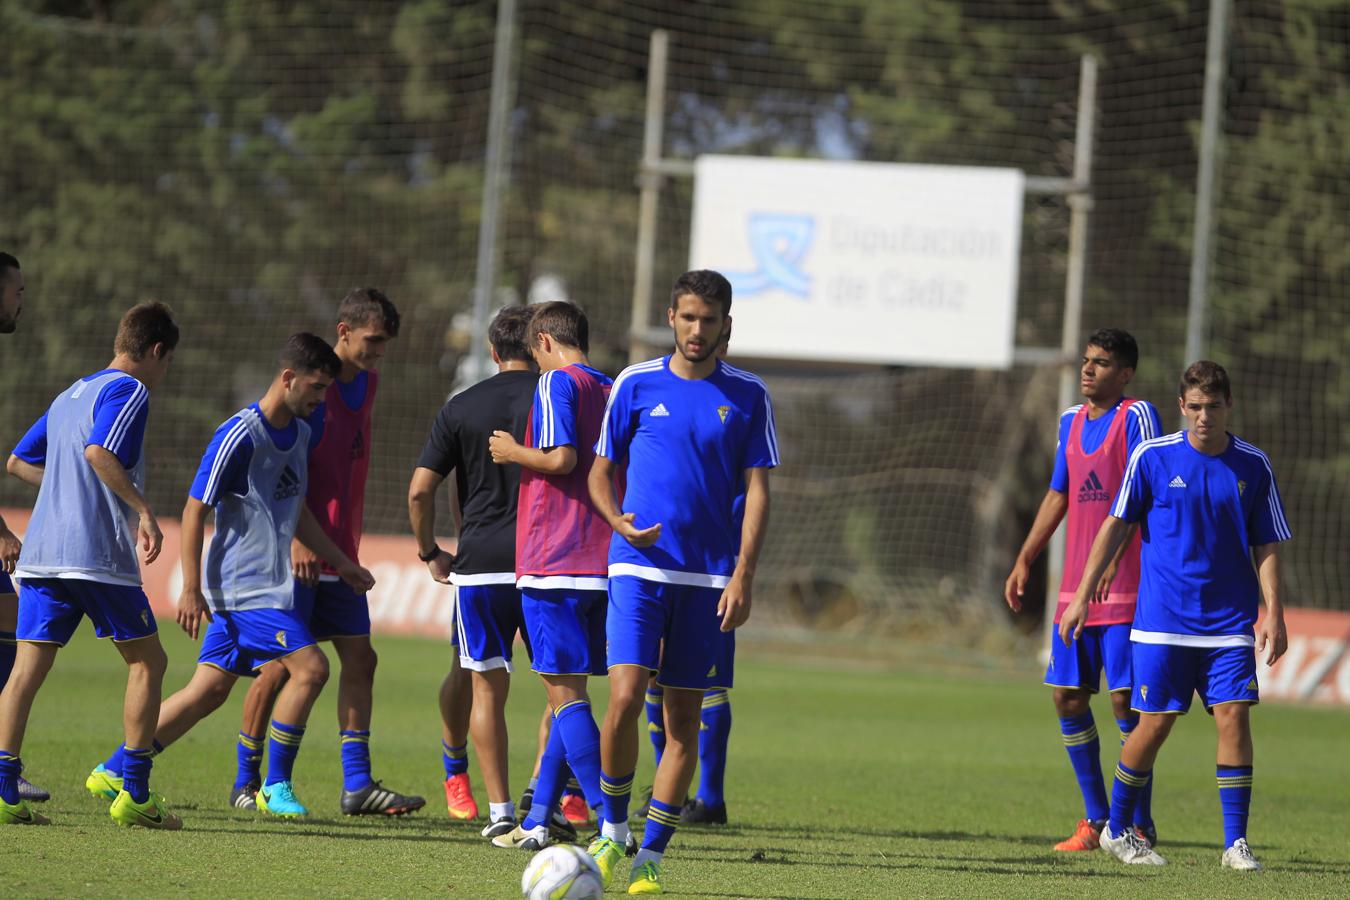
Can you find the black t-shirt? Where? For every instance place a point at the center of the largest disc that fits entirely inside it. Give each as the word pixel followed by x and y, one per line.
pixel 488 493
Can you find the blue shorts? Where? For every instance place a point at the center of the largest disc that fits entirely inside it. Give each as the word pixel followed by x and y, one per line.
pixel 566 629
pixel 1080 665
pixel 6 585
pixel 645 615
pixel 243 641
pixel 487 619
pixel 1167 676
pixel 50 610
pixel 334 609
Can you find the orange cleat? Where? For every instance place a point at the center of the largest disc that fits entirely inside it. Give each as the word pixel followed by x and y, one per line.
pixel 1085 837
pixel 575 810
pixel 459 797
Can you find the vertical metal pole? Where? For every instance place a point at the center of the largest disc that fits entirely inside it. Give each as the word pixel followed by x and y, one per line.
pixel 1080 207
pixel 1216 56
pixel 494 180
pixel 650 199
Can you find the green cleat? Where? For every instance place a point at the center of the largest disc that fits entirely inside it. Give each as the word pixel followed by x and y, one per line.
pixel 20 814
pixel 150 814
pixel 102 784
pixel 646 879
pixel 279 800
pixel 606 853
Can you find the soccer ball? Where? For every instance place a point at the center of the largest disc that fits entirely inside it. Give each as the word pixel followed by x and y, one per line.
pixel 562 872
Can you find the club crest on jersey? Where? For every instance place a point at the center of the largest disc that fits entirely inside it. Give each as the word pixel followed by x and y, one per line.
pixel 1092 490
pixel 281 638
pixel 722 413
pixel 288 485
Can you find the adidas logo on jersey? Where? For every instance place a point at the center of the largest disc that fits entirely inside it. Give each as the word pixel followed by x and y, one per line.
pixel 1176 482
pixel 1092 490
pixel 660 410
pixel 288 485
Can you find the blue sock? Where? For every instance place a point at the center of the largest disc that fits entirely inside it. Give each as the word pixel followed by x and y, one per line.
pixel 581 739
pixel 355 760
pixel 8 650
pixel 1143 810
pixel 136 773
pixel 283 745
pixel 1085 753
pixel 455 759
pixel 1235 796
pixel 549 788
pixel 713 734
pixel 10 767
pixel 117 762
pixel 1125 795
pixel 662 820
pixel 248 755
pixel 656 720
pixel 617 790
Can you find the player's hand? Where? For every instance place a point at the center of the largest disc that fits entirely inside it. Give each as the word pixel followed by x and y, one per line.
pixel 439 566
pixel 1072 622
pixel 502 445
pixel 638 537
pixel 10 546
pixel 191 608
pixel 305 564
pixel 149 536
pixel 357 576
pixel 1016 585
pixel 1103 588
pixel 1271 638
pixel 734 604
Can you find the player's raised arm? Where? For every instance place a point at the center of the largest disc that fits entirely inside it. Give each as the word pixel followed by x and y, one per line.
pixel 1271 638
pixel 1109 538
pixel 422 516
pixel 1053 507
pixel 191 602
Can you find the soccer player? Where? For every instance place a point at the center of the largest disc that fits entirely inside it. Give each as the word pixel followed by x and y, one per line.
pixel 11 304
pixel 254 474
pixel 340 430
pixel 691 430
pixel 1096 438
pixel 483 567
pixel 85 457
pixel 562 546
pixel 1207 505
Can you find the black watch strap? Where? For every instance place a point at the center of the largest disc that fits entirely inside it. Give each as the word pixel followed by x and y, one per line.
pixel 428 557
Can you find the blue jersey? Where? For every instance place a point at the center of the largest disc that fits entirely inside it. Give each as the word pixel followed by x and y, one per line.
pixel 224 465
pixel 1199 518
pixel 1142 425
pixel 686 445
pixel 120 412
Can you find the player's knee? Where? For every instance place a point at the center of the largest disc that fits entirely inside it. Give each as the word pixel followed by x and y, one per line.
pixel 212 695
pixel 311 672
pixel 1070 702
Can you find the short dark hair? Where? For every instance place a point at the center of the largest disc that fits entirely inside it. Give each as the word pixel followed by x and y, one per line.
pixel 305 352
pixel 564 322
pixel 142 327
pixel 1209 377
pixel 507 334
pixel 707 285
pixel 1117 342
pixel 364 305
pixel 7 262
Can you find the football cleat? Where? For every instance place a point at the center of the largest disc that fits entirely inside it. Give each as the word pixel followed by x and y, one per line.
pixel 501 826
pixel 575 810
pixel 523 807
pixel 606 852
pixel 20 814
pixel 561 831
pixel 1148 832
pixel 1240 857
pixel 376 800
pixel 520 839
pixel 646 879
pixel 150 814
pixel 279 800
pixel 245 797
pixel 645 806
pixel 103 784
pixel 696 812
pixel 1086 836
pixel 459 797
pixel 31 792
pixel 1129 848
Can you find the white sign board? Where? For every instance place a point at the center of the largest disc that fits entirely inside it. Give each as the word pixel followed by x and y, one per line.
pixel 863 262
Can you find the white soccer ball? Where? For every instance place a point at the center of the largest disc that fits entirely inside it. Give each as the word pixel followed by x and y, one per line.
pixel 562 872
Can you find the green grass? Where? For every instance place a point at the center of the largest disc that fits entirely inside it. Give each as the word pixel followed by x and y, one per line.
pixel 843 782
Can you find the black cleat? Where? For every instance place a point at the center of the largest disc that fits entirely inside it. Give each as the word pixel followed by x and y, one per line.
pixel 31 792
pixel 1148 833
pixel 376 800
pixel 245 797
pixel 696 812
pixel 523 807
pixel 497 827
pixel 561 831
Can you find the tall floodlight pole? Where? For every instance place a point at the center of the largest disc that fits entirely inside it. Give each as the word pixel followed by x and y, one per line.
pixel 494 180
pixel 650 180
pixel 1216 56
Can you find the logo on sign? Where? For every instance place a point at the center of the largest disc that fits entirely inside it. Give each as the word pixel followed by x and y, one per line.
pixel 779 243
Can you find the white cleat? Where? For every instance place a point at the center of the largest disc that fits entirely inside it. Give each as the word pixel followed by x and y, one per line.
pixel 1240 856
pixel 1130 848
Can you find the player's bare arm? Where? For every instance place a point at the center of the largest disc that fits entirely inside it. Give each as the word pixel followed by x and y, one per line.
pixel 305 563
pixel 25 471
pixel 422 517
pixel 601 485
pixel 1104 583
pixel 1271 638
pixel 734 606
pixel 10 547
pixel 1053 508
pixel 1104 547
pixel 546 461
pixel 191 602
pixel 110 471
pixel 310 532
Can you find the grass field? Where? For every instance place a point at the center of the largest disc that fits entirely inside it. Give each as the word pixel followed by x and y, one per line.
pixel 843 782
